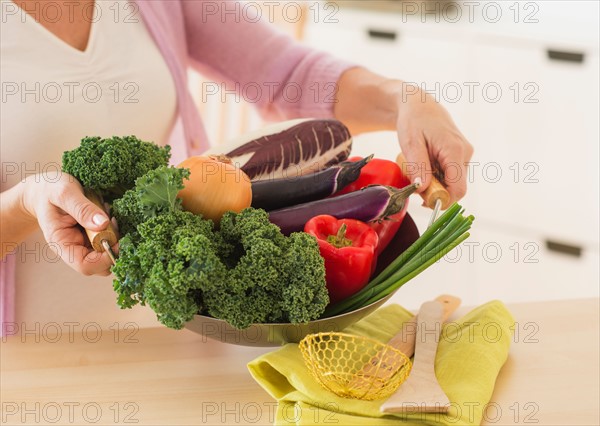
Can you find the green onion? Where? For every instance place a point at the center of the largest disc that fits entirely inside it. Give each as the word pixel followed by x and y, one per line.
pixel 441 237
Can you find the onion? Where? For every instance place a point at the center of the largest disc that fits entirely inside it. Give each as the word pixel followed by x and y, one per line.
pixel 215 186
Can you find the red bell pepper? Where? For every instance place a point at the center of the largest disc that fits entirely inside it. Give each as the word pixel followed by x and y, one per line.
pixel 348 247
pixel 381 172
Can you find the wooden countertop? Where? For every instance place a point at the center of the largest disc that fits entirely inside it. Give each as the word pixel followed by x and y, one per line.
pixel 162 376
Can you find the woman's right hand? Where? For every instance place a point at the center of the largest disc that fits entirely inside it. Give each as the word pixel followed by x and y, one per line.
pixel 61 209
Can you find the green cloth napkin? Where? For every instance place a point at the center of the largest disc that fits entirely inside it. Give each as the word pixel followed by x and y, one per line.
pixel 470 354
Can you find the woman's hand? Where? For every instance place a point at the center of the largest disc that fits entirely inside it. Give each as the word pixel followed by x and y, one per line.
pixel 431 143
pixel 426 133
pixel 61 210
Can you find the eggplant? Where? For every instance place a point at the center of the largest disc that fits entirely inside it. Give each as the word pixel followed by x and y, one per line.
pixel 287 149
pixel 277 193
pixel 372 203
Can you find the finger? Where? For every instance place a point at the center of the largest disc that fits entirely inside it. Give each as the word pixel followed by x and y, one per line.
pixel 86 261
pixel 94 265
pixel 115 249
pixel 467 155
pixel 115 225
pixel 457 185
pixel 86 213
pixel 455 173
pixel 417 166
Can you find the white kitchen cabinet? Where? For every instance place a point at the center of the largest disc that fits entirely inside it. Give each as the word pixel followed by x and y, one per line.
pixel 514 267
pixel 532 119
pixel 530 108
pixel 396 49
pixel 382 144
pixel 536 161
pixel 454 274
pixel 509 266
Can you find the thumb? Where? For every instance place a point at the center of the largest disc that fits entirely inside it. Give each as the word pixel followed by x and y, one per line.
pixel 89 215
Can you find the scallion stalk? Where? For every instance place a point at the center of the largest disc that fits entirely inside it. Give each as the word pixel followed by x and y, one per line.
pixel 448 215
pixel 439 239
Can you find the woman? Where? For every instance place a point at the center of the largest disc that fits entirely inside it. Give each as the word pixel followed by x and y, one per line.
pixel 72 69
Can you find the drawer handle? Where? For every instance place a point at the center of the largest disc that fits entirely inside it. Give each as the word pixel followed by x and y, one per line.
pixel 382 34
pixel 563 248
pixel 559 55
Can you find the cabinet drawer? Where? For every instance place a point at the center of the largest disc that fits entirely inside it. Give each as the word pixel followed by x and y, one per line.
pixel 505 264
pixel 454 274
pixel 515 267
pixel 536 157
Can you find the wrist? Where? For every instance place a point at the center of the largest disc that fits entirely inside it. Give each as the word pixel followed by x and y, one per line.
pixel 25 197
pixel 367 101
pixel 16 221
pixel 394 96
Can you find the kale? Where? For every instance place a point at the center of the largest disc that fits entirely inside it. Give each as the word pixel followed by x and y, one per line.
pixel 245 272
pixel 154 193
pixel 111 166
pixel 175 255
pixel 179 264
pixel 271 278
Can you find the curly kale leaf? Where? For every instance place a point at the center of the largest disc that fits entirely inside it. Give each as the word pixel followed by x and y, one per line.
pixel 157 190
pixel 271 278
pixel 304 296
pixel 178 264
pixel 176 254
pixel 173 287
pixel 154 193
pixel 110 166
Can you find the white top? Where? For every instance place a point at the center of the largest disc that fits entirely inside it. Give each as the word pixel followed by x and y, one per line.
pixel 52 96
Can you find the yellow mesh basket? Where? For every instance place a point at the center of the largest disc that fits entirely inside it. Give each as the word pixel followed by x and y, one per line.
pixel 354 366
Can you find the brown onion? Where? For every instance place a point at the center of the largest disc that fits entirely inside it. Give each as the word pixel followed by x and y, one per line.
pixel 215 186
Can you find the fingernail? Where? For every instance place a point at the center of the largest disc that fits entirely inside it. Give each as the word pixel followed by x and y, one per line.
pixel 99 219
pixel 417 181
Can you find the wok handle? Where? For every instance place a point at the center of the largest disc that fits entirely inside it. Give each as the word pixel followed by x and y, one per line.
pixel 96 237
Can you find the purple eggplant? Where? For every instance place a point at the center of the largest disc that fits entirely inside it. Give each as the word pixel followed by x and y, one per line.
pixel 287 149
pixel 375 202
pixel 277 193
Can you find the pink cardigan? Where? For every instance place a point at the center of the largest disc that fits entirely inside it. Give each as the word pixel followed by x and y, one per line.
pixel 292 80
